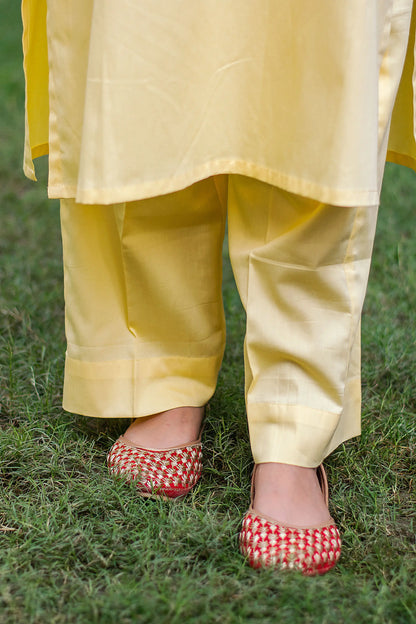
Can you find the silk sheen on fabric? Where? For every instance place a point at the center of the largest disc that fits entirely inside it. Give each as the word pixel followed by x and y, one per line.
pixel 148 97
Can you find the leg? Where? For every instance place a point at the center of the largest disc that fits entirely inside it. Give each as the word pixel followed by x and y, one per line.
pixel 301 269
pixel 144 317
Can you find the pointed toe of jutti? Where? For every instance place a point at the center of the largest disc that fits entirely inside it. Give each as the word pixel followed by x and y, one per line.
pixel 168 473
pixel 266 543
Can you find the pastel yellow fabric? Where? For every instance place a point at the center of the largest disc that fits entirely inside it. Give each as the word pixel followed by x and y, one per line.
pixel 144 315
pixel 147 98
pixel 144 319
pixel 35 63
pixel 301 269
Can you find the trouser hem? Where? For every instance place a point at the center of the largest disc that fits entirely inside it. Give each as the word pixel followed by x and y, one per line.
pixel 137 388
pixel 300 435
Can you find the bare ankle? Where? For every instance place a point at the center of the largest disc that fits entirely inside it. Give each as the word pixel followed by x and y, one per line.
pixel 166 429
pixel 290 494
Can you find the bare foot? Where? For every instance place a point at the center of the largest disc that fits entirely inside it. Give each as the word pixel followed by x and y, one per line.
pixel 290 494
pixel 167 429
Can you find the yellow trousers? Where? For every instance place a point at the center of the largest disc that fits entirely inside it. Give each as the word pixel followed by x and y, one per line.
pixel 144 316
pixel 145 322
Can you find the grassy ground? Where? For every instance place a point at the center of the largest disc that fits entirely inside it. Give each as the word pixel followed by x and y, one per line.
pixel 75 546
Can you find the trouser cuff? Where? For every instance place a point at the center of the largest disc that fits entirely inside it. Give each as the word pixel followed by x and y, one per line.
pixel 299 435
pixel 135 388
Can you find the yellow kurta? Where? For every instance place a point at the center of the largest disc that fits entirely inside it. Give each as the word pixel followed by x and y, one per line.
pixel 147 98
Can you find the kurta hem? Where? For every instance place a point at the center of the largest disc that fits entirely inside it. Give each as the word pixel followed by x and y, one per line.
pixel 145 190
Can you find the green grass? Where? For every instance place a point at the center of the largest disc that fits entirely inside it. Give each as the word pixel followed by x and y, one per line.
pixel 76 546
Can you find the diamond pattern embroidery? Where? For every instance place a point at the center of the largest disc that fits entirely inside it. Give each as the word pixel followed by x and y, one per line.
pixel 312 551
pixel 170 473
